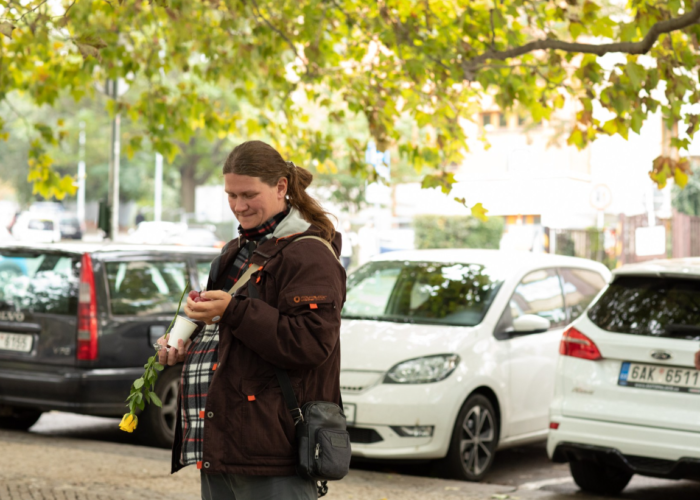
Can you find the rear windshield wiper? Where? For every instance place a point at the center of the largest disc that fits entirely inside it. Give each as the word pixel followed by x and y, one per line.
pixel 689 332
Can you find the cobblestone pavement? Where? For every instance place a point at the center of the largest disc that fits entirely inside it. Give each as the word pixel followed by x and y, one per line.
pixel 88 464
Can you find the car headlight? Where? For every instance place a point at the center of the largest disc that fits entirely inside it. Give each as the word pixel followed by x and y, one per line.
pixel 422 370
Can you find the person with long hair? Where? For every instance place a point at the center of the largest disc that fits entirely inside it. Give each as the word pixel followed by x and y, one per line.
pixel 232 420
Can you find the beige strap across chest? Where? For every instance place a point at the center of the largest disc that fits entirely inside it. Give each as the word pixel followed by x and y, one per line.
pixel 253 268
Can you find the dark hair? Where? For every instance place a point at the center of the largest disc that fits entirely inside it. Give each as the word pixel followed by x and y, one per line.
pixel 258 159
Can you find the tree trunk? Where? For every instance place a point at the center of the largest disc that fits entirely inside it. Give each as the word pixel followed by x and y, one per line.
pixel 188 183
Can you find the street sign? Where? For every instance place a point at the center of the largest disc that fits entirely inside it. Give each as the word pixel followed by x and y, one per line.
pixel 601 197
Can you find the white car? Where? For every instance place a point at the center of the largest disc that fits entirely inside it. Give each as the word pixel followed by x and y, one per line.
pixel 627 393
pixel 451 353
pixel 37 227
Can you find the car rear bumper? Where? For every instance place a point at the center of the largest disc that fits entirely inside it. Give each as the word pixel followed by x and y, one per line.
pixel 648 451
pixel 94 391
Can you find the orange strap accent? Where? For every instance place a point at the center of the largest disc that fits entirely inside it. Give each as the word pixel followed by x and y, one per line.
pixel 201 414
pixel 251 398
pixel 215 365
pixel 258 280
pixel 199 464
pixel 313 306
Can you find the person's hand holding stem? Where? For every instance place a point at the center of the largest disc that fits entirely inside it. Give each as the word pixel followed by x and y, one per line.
pixel 143 388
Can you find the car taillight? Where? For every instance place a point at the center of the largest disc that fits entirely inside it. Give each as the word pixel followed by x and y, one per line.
pixel 576 344
pixel 87 312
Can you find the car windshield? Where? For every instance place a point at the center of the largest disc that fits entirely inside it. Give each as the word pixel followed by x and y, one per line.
pixel 643 305
pixel 39 282
pixel 421 292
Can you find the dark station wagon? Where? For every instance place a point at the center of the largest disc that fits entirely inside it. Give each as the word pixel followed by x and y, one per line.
pixel 78 322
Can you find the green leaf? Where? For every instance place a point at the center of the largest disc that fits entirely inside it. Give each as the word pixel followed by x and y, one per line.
pixel 610 127
pixel 576 29
pixel 156 400
pixel 636 73
pixel 138 383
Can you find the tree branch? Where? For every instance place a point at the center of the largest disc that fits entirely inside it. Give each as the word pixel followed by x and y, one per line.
pixel 641 47
pixel 279 32
pixel 26 13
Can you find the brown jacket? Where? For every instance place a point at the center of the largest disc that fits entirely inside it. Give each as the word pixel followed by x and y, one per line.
pixel 295 324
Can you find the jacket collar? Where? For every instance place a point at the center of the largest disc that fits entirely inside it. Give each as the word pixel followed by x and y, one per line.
pixel 293 223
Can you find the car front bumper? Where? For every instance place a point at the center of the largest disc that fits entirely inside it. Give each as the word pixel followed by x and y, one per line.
pixel 88 391
pixel 658 452
pixel 391 405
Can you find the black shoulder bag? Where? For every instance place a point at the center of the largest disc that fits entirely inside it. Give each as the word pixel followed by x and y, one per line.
pixel 321 430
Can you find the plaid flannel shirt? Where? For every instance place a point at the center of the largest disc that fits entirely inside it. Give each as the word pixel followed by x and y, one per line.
pixel 202 354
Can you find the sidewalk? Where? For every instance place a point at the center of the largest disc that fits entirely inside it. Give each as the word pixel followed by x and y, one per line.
pixel 36 467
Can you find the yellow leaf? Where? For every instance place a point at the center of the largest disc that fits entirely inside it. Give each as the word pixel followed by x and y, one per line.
pixel 479 212
pixel 680 177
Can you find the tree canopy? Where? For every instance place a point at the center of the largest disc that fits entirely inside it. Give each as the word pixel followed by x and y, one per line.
pixel 429 63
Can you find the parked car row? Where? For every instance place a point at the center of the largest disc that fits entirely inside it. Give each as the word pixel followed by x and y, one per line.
pixel 448 355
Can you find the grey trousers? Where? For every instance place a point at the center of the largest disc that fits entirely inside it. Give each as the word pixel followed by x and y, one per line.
pixel 238 487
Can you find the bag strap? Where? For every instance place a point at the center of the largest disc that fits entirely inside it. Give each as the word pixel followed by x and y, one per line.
pixel 243 279
pixel 282 376
pixel 325 242
pixel 290 398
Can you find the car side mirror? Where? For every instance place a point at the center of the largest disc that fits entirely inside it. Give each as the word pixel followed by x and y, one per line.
pixel 530 323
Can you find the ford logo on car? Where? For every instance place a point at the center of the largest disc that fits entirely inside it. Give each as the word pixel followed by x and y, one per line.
pixel 11 316
pixel 661 355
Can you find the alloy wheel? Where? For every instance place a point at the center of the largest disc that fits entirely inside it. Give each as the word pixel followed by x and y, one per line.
pixel 477 440
pixel 168 413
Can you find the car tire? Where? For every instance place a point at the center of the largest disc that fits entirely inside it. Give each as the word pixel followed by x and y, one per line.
pixel 156 425
pixel 599 479
pixel 474 440
pixel 19 419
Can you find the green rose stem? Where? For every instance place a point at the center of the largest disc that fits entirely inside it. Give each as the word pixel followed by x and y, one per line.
pixel 143 388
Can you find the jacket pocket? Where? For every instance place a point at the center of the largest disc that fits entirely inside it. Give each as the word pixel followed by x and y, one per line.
pixel 332 454
pixel 267 428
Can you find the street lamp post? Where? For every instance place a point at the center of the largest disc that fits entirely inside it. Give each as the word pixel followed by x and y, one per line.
pixel 158 202
pixel 81 175
pixel 113 194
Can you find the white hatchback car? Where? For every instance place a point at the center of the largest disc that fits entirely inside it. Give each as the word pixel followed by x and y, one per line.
pixel 451 353
pixel 627 393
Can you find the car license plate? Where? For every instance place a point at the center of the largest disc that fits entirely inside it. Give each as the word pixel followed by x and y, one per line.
pixel 660 378
pixel 349 410
pixel 15 342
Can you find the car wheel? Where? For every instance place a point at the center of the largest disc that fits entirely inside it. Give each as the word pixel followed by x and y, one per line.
pixel 157 425
pixel 18 418
pixel 474 440
pixel 599 479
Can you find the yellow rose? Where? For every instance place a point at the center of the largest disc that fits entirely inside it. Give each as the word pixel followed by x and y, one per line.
pixel 129 423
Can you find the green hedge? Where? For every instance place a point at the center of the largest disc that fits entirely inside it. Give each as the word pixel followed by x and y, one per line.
pixel 442 231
